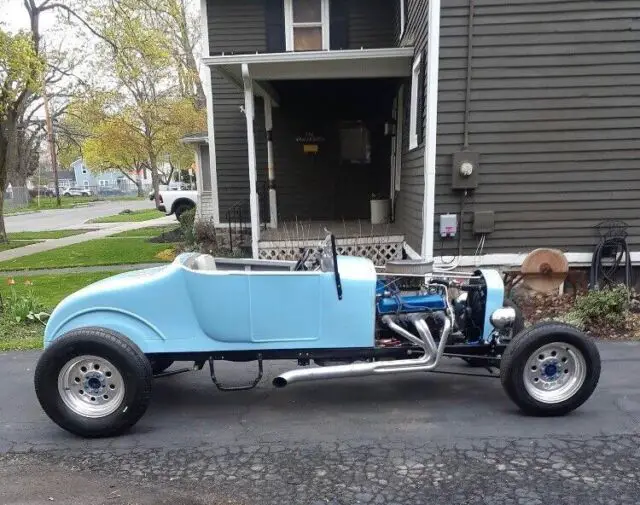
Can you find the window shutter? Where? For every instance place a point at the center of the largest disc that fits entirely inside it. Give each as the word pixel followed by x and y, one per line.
pixel 274 10
pixel 339 24
pixel 421 101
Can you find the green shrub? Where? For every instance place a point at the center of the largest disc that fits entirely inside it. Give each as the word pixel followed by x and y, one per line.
pixel 607 306
pixel 24 307
pixel 187 219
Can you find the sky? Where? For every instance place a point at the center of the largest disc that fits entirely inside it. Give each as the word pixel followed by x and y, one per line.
pixel 14 16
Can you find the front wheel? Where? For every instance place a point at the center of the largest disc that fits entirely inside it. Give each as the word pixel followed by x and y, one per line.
pixel 93 382
pixel 550 369
pixel 181 209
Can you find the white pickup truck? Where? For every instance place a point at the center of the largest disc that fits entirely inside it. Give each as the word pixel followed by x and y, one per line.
pixel 176 201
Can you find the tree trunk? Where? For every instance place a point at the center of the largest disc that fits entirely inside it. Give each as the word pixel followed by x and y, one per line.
pixel 3 183
pixel 155 178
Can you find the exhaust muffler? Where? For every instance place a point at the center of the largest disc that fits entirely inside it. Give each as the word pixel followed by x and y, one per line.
pixel 428 361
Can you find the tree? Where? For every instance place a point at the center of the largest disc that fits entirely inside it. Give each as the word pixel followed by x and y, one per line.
pixel 21 71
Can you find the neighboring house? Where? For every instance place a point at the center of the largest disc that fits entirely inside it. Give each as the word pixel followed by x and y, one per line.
pixel 114 179
pixel 315 105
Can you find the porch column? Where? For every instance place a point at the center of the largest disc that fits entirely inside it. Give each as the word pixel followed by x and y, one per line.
pixel 249 114
pixel 268 121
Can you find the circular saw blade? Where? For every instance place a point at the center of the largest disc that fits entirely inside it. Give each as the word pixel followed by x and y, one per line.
pixel 544 270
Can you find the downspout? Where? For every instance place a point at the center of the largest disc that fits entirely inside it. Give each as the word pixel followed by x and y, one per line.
pixel 268 122
pixel 431 126
pixel 251 151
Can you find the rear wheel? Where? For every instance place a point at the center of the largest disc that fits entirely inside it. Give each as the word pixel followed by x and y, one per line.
pixel 181 209
pixel 93 382
pixel 550 369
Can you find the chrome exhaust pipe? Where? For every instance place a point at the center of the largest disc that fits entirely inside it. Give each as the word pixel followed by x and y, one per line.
pixel 428 361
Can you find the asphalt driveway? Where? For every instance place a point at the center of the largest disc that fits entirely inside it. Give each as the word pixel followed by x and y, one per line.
pixel 420 438
pixel 59 219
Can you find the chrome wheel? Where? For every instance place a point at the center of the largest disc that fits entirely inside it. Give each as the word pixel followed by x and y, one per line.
pixel 555 372
pixel 91 386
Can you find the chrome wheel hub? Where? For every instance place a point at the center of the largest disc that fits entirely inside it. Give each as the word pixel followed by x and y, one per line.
pixel 555 372
pixel 91 386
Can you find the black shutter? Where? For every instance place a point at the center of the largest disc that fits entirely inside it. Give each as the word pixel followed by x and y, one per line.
pixel 274 16
pixel 339 24
pixel 421 101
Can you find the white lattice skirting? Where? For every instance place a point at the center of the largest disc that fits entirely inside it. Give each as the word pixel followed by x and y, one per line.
pixel 377 249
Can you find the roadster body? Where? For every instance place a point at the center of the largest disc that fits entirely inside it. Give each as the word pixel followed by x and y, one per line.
pixel 105 344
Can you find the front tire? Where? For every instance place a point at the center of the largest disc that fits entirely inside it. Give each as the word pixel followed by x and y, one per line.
pixel 93 382
pixel 550 369
pixel 181 209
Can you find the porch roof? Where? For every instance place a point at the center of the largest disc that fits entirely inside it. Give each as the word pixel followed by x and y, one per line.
pixel 339 64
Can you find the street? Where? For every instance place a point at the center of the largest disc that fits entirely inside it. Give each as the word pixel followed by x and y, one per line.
pixel 419 438
pixel 58 219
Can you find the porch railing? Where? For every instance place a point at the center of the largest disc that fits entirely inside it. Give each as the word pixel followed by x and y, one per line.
pixel 238 218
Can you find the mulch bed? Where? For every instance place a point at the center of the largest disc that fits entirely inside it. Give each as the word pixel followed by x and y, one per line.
pixel 539 307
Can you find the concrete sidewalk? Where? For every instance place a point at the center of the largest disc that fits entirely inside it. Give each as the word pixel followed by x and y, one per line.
pixel 104 231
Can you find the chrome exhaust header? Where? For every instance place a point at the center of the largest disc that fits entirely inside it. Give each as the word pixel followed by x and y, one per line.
pixel 428 361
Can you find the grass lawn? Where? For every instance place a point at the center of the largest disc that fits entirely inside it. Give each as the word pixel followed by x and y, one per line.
pixel 134 216
pixel 15 245
pixel 50 290
pixel 43 235
pixel 94 252
pixel 149 232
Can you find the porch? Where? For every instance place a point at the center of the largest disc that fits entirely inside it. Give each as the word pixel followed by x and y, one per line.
pixel 329 121
pixel 378 242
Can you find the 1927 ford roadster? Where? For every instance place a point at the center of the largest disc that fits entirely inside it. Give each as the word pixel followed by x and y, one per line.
pixel 106 342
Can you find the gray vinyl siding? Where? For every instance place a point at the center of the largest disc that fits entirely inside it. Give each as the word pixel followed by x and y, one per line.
pixel 235 26
pixel 555 116
pixel 372 23
pixel 231 144
pixel 409 202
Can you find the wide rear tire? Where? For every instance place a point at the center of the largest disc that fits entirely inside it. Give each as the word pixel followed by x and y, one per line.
pixel 550 369
pixel 93 382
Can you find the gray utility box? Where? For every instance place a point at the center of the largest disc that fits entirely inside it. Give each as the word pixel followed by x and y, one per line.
pixel 465 170
pixel 484 221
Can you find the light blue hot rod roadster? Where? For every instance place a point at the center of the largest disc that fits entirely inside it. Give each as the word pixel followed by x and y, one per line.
pixel 105 343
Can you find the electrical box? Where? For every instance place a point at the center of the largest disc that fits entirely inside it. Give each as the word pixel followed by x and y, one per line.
pixel 484 221
pixel 465 170
pixel 448 225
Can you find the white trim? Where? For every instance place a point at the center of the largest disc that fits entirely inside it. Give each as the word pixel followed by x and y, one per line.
pixel 403 20
pixel 251 151
pixel 208 91
pixel 289 25
pixel 514 260
pixel 431 127
pixel 413 105
pixel 299 56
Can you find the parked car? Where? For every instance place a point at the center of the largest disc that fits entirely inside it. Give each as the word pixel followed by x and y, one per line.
pixel 77 192
pixel 42 191
pixel 105 343
pixel 111 192
pixel 177 201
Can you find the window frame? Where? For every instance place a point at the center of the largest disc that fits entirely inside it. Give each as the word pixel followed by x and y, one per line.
pixel 324 24
pixel 413 104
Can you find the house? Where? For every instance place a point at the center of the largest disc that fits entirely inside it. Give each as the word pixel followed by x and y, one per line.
pixel 104 181
pixel 491 127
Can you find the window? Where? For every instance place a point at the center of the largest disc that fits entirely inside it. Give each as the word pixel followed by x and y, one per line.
pixel 403 16
pixel 413 111
pixel 102 182
pixel 355 143
pixel 86 184
pixel 306 25
pixel 84 169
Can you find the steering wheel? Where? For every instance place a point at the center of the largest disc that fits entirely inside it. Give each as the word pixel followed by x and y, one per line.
pixel 300 264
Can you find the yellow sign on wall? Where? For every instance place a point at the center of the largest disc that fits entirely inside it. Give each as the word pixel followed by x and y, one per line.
pixel 310 148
